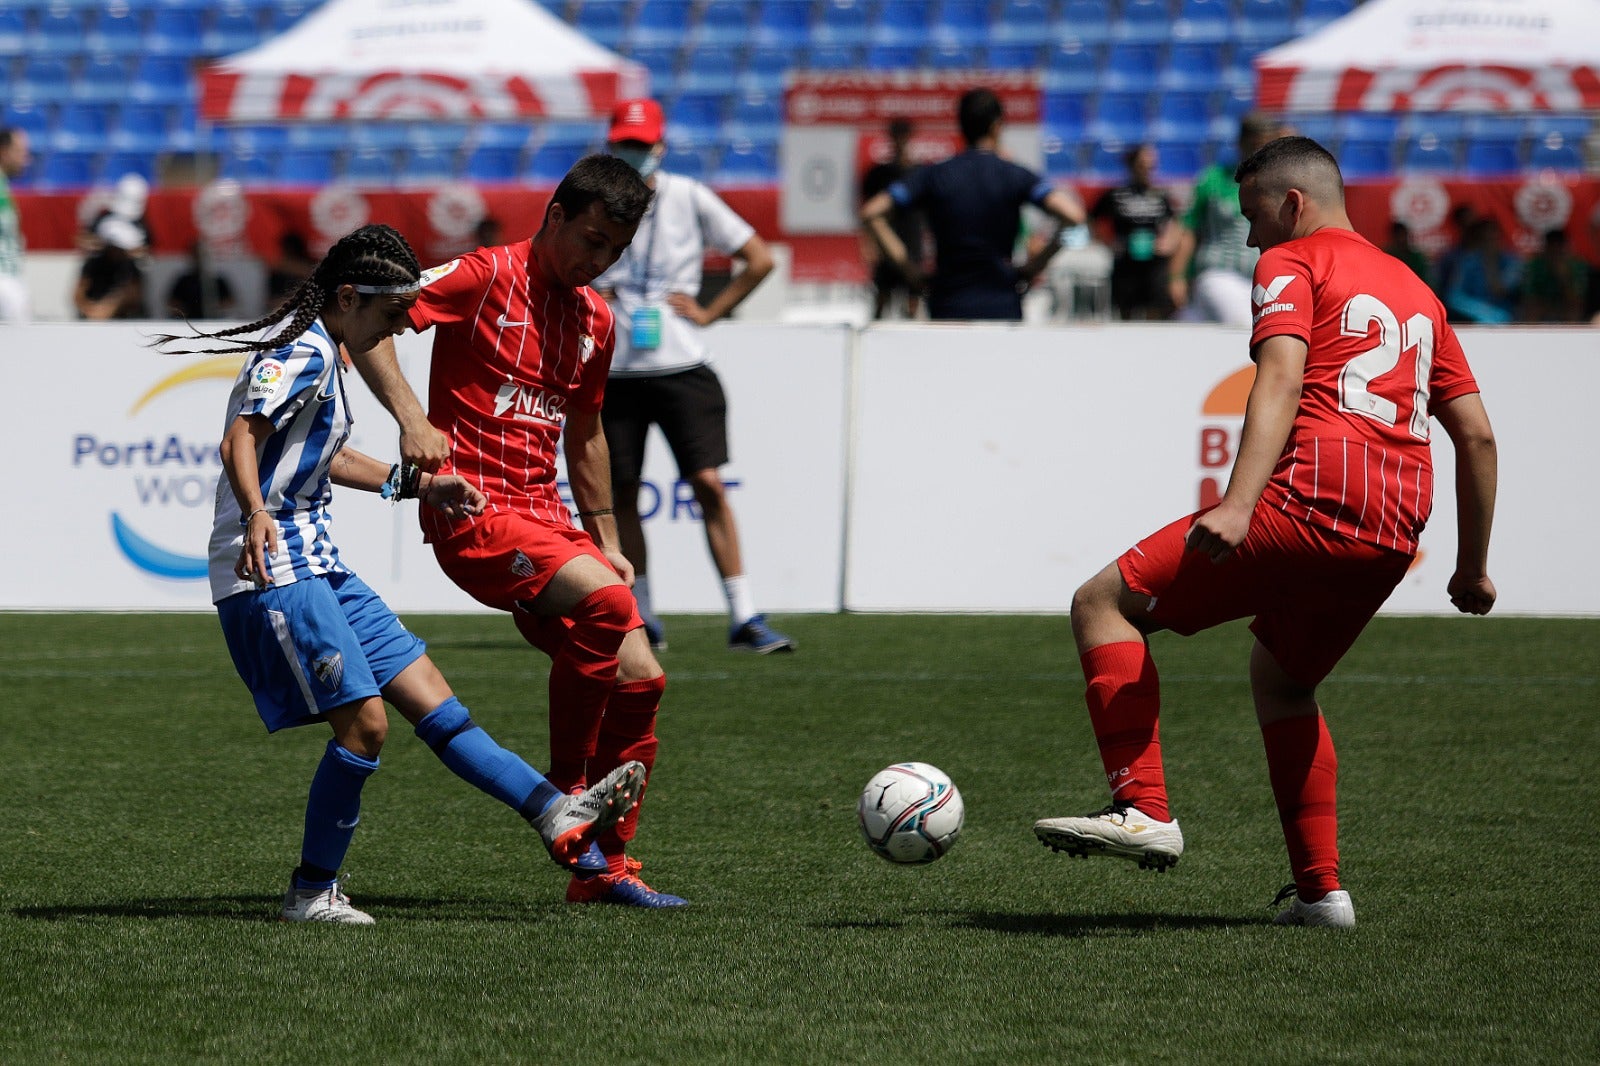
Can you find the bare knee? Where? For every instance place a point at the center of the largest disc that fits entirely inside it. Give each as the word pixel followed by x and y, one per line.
pixel 709 492
pixel 362 728
pixel 635 660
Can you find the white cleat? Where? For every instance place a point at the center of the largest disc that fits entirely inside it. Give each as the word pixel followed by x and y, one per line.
pixel 1120 830
pixel 321 905
pixel 571 822
pixel 1335 911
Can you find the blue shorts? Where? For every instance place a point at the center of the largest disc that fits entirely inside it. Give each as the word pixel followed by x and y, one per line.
pixel 314 645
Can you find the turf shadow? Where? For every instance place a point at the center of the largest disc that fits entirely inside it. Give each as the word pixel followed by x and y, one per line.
pixel 1094 925
pixel 256 908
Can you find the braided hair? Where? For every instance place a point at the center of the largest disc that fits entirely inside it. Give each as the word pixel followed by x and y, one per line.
pixel 372 255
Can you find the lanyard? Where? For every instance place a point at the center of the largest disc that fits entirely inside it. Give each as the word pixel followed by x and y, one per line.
pixel 641 266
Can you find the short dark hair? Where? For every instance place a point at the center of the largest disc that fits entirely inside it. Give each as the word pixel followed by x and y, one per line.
pixel 6 134
pixel 977 113
pixel 611 181
pixel 900 127
pixel 1132 154
pixel 1294 162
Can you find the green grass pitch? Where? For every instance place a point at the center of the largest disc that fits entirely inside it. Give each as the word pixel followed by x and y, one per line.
pixel 150 824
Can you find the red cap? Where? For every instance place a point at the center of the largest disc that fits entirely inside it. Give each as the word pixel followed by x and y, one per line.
pixel 636 120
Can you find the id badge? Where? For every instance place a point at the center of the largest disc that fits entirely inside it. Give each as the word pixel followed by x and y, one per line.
pixel 645 334
pixel 1141 245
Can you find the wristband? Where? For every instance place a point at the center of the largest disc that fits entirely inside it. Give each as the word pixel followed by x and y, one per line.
pixel 402 482
pixel 595 513
pixel 244 520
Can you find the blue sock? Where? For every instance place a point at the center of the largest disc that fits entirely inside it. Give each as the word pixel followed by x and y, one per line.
pixel 333 810
pixel 472 755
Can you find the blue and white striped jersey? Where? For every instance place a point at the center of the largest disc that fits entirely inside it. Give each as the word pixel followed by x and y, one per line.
pixel 299 387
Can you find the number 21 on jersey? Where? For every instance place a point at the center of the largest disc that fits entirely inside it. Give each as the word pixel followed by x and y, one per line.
pixel 1356 382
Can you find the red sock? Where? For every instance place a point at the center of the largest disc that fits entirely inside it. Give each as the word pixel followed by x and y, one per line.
pixel 582 674
pixel 1124 698
pixel 1305 776
pixel 628 731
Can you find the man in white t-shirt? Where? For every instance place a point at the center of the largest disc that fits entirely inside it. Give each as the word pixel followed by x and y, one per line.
pixel 660 373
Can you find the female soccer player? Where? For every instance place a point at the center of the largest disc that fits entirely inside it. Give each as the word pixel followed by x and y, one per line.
pixel 308 637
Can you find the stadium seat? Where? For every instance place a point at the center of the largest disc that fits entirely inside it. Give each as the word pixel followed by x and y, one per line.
pixel 1428 154
pixel 438 136
pixel 1148 21
pixel 1572 128
pixel 661 60
pixel 1491 159
pixel 1087 20
pixel 139 128
pixel 1448 126
pixel 34 117
pixel 502 135
pixel 1320 127
pixel 1105 164
pixel 755 117
pixel 1505 128
pixel 116 164
pixel 102 78
pixel 1021 22
pixel 427 165
pixel 283 14
pixel 832 57
pixel 118 30
pixel 1203 22
pixel 1131 66
pixel 551 161
pixel 58 31
pixel 964 22
pixel 1119 117
pixel 1369 126
pixel 64 170
pixel 1074 65
pixel 13 32
pixel 724 22
pixel 1359 160
pixel 765 67
pixel 173 33
pixel 745 163
pixel 1315 14
pixel 1013 56
pixel 783 23
pixel 231 29
pixel 690 162
pixel 378 136
pixel 79 127
pixel 1264 22
pixel 316 137
pixel 44 78
pixel 950 55
pixel 1064 115
pixel 902 22
pixel 1060 157
pixel 1184 116
pixel 843 22
pixel 893 57
pixel 370 166
pixel 696 115
pixel 660 22
pixel 711 68
pixel 247 168
pixel 259 140
pixel 1555 152
pixel 162 80
pixel 1181 160
pixel 603 21
pixel 1191 66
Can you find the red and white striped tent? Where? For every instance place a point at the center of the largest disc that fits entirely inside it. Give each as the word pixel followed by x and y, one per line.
pixel 400 59
pixel 1441 55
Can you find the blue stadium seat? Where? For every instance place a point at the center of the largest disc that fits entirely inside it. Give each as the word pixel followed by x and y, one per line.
pixel 427 165
pixel 44 78
pixel 1555 152
pixel 1491 159
pixel 893 57
pixel 964 22
pixel 660 22
pixel 604 23
pixel 503 135
pixel 724 22
pixel 689 161
pixel 1131 66
pixel 262 140
pixel 1143 21
pixel 58 31
pixel 551 161
pixel 904 22
pixel 80 127
pixel 283 14
pixel 832 57
pixel 13 32
pixel 64 170
pixel 1361 159
pixel 1191 66
pixel 1182 116
pixel 140 128
pixel 1060 157
pixel 118 30
pixel 116 164
pixel 1240 72
pixel 316 137
pixel 304 166
pixel 1319 126
pixel 1013 56
pixel 1315 14
pixel 711 68
pixel 1264 22
pixel 1369 126
pixel 755 117
pixel 696 115
pixel 1064 115
pixel 1021 22
pixel 1073 65
pixel 661 60
pixel 745 163
pixel 438 136
pixel 1446 125
pixel 102 77
pixel 765 67
pixel 1105 162
pixel 247 168
pixel 1181 160
pixel 378 136
pixel 370 166
pixel 1504 128
pixel 231 29
pixel 845 22
pixel 1203 22
pixel 785 23
pixel 162 80
pixel 35 117
pixel 951 55
pixel 1087 20
pixel 173 33
pixel 1572 128
pixel 1428 154
pixel 1119 117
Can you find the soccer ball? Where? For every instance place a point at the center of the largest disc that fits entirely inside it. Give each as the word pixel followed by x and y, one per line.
pixel 910 812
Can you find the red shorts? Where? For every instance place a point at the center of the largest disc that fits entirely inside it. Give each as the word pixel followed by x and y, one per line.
pixel 1310 590
pixel 503 560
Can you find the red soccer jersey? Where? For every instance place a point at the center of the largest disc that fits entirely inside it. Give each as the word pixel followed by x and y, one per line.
pixel 510 358
pixel 1357 461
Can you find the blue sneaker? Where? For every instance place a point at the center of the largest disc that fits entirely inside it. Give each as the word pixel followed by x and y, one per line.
pixel 655 632
pixel 626 889
pixel 590 862
pixel 755 635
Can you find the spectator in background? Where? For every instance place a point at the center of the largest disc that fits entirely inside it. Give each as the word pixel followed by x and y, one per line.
pixel 1140 217
pixel 129 200
pixel 200 292
pixel 661 373
pixel 294 265
pixel 1485 287
pixel 111 281
pixel 488 233
pixel 1462 216
pixel 1401 248
pixel 14 159
pixel 1555 283
pixel 973 203
pixel 888 279
pixel 1211 242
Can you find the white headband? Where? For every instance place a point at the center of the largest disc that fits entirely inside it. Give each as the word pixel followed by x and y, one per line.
pixel 390 290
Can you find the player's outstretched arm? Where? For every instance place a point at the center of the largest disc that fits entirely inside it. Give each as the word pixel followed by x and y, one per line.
pixel 1477 480
pixel 447 492
pixel 1268 416
pixel 420 442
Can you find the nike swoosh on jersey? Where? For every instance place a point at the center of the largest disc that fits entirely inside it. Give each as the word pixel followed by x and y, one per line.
pixel 503 322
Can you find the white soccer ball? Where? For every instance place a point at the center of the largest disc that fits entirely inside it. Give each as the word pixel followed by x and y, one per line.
pixel 910 812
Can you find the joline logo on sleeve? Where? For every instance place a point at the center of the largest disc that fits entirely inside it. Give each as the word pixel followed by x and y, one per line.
pixel 1263 297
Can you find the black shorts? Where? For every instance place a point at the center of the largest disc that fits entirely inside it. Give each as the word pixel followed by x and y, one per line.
pixel 689 406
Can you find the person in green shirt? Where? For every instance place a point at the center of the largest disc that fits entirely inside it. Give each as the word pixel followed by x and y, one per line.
pixel 1212 266
pixel 14 159
pixel 1554 283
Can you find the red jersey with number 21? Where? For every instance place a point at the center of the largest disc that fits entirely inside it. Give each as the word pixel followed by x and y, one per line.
pixel 1357 461
pixel 510 358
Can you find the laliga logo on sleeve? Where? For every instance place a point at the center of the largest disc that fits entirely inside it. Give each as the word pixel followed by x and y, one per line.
pixel 1263 297
pixel 433 274
pixel 266 379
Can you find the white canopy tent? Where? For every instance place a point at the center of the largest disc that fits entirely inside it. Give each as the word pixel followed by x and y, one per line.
pixel 1441 55
pixel 420 59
